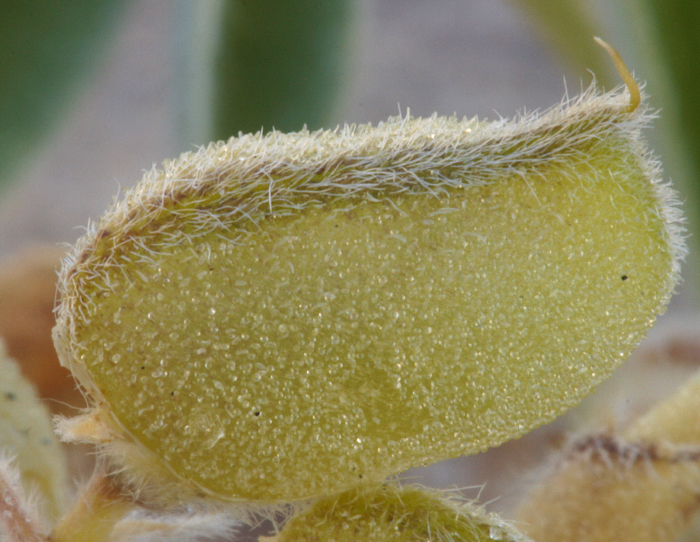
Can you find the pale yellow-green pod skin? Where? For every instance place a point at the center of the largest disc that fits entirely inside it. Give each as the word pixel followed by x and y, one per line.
pixel 387 513
pixel 279 317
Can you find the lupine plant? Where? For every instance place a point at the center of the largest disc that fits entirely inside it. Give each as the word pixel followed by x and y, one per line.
pixel 277 324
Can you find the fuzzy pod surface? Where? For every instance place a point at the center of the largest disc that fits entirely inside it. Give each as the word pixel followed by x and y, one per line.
pixel 281 316
pixel 400 514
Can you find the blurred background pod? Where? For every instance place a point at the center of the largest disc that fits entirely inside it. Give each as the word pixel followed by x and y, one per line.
pixel 595 489
pixel 27 438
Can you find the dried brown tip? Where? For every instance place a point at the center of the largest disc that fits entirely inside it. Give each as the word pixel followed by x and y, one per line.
pixel 632 86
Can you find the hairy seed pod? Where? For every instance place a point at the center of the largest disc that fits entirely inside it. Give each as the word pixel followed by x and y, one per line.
pixel 399 514
pixel 281 316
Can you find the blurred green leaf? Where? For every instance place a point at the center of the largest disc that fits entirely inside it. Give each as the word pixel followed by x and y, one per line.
pixel 45 49
pixel 668 34
pixel 676 30
pixel 280 64
pixel 570 26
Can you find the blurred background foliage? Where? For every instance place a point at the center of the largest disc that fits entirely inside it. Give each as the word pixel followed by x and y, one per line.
pixel 286 69
pixel 252 64
pixel 46 49
pixel 246 65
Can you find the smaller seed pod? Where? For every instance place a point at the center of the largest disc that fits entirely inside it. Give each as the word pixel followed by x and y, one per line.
pixel 282 316
pixel 400 514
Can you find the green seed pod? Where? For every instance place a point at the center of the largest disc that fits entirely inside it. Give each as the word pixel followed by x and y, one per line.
pixel 278 317
pixel 399 514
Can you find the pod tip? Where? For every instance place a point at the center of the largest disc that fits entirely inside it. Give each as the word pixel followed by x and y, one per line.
pixel 632 86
